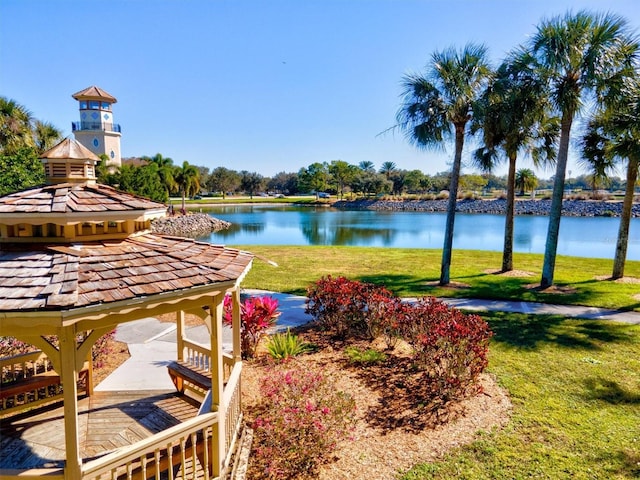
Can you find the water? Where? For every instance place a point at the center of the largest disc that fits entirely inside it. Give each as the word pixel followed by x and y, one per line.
pixel 592 237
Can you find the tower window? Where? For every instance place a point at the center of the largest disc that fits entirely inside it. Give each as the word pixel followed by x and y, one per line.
pixel 83 105
pixel 105 106
pixel 94 105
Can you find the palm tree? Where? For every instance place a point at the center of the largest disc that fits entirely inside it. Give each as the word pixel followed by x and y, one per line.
pixel 578 54
pixel 614 134
pixel 525 180
pixel 166 170
pixel 512 117
pixel 440 105
pixel 16 127
pixel 46 136
pixel 187 179
pixel 594 157
pixel 388 168
pixel 367 166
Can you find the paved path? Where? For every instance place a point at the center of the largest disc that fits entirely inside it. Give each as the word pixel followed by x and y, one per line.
pixel 152 344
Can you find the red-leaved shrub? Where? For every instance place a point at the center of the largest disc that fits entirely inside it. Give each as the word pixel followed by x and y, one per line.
pixel 451 347
pixel 257 314
pixel 302 418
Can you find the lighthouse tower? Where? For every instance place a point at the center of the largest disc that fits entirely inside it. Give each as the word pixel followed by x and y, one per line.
pixel 96 129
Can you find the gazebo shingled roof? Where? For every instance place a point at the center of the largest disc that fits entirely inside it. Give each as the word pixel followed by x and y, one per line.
pixel 73 276
pixel 74 198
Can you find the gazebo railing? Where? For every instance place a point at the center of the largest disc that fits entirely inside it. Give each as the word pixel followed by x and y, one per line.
pixel 187 446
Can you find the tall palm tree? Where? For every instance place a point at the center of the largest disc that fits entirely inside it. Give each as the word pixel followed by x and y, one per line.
pixel 578 54
pixel 440 105
pixel 594 157
pixel 614 134
pixel 513 118
pixel 16 126
pixel 187 179
pixel 387 169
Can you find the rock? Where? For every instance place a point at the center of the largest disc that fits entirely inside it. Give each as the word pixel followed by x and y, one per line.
pixel 570 208
pixel 191 225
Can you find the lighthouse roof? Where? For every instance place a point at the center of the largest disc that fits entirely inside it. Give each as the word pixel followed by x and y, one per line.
pixel 94 93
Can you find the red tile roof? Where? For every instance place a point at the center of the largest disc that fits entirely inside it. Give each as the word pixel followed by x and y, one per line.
pixel 69 198
pixel 59 277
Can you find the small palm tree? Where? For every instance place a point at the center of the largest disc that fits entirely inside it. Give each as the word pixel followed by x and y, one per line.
pixel 166 171
pixel 387 169
pixel 367 166
pixel 577 54
pixel 526 180
pixel 187 179
pixel 46 136
pixel 16 126
pixel 440 105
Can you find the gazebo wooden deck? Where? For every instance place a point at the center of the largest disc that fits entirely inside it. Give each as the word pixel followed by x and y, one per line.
pixel 107 421
pixel 76 260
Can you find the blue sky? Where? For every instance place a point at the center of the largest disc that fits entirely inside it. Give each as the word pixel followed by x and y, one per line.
pixel 264 86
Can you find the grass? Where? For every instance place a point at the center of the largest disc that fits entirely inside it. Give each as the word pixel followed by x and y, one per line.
pixel 415 272
pixel 574 384
pixel 575 387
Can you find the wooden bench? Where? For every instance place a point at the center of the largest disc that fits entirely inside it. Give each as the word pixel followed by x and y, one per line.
pixel 28 380
pixel 187 376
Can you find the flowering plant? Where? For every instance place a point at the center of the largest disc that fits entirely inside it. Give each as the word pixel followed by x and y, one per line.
pixel 257 314
pixel 300 421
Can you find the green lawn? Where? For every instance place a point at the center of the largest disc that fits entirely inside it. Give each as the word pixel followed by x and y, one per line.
pixel 574 384
pixel 414 272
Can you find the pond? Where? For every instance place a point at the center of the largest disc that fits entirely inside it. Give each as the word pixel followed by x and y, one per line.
pixel 593 237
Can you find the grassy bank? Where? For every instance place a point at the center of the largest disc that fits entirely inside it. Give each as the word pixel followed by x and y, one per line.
pixel 574 384
pixel 415 272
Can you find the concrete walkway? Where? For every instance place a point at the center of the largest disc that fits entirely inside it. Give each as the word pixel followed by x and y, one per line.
pixel 152 344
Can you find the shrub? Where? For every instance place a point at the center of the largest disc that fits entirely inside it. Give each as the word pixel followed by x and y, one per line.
pixel 257 314
pixel 349 307
pixel 368 356
pixel 301 420
pixel 451 347
pixel 284 345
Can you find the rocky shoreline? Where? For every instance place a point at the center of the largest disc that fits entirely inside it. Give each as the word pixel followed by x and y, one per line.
pixel 191 225
pixel 570 208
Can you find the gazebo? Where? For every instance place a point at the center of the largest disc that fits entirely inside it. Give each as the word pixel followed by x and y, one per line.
pixel 77 259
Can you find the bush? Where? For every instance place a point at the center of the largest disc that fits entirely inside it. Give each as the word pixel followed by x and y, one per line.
pixel 301 420
pixel 257 314
pixel 451 347
pixel 354 308
pixel 285 345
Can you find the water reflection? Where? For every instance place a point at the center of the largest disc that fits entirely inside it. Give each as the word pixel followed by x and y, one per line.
pixel 289 225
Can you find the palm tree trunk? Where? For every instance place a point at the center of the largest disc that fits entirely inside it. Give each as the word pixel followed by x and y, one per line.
pixel 625 220
pixel 451 208
pixel 555 213
pixel 507 250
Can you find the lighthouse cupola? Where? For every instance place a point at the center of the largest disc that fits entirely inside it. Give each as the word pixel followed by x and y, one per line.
pixel 96 129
